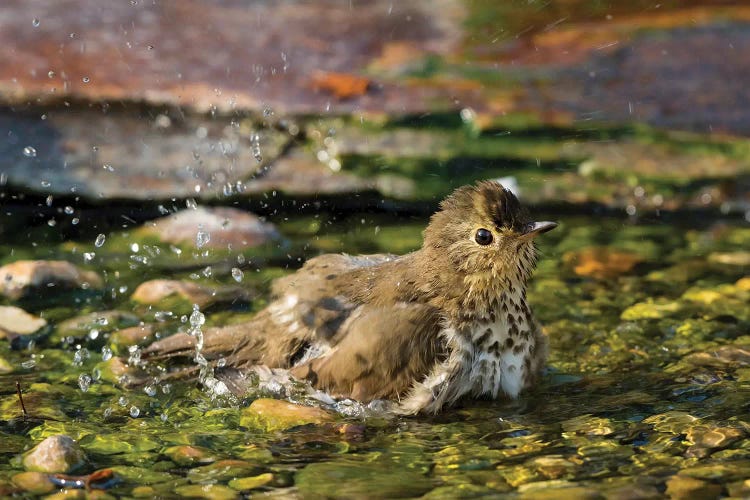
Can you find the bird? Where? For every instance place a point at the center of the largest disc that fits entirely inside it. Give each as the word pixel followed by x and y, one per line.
pixel 423 330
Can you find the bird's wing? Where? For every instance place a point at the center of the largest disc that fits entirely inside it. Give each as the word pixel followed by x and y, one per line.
pixel 378 352
pixel 307 309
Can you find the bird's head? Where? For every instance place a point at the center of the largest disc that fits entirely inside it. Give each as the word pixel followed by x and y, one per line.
pixel 485 236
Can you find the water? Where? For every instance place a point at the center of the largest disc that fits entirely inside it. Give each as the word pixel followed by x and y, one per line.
pixel 646 377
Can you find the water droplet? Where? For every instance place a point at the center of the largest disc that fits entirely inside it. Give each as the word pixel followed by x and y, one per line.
pixel 84 381
pixel 85 79
pixel 197 318
pixel 35 22
pixel 108 167
pixel 49 200
pixel 52 223
pixel 68 210
pixel 3 179
pixel 134 411
pixel 191 204
pixel 202 238
pixel 31 363
pixel 150 390
pixel 45 184
pixel 88 256
pixel 75 220
pixel 80 356
pixel 237 274
pixel 29 152
pixel 100 241
pixel 106 353
pixel 255 146
pixel 207 272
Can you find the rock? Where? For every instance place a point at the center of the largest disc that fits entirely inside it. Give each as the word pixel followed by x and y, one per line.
pixel 682 487
pixel 651 310
pixel 250 483
pixel 94 325
pixel 134 335
pixel 187 455
pixel 360 479
pixel 601 262
pixel 743 283
pixel 299 174
pixel 222 470
pixel 122 155
pixel 276 415
pixel 15 321
pixel 557 489
pixel 216 76
pixel 740 259
pixel 588 425
pixel 20 278
pixel 185 293
pixel 707 438
pixel 724 356
pixel 34 482
pixel 56 454
pixel 218 228
pixel 208 491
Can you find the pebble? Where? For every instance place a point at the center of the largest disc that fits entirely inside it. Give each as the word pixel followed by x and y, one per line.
pixel 14 321
pixel 276 415
pixel 56 454
pixel 19 278
pixel 213 228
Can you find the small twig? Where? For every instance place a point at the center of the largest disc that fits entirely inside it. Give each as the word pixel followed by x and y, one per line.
pixel 20 399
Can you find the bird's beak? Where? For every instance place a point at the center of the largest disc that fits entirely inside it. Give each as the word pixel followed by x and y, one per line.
pixel 534 229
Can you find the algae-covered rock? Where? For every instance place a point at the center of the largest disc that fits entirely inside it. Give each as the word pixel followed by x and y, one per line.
pixel 188 455
pixel 15 321
pixel 207 491
pixel 58 453
pixel 34 482
pixel 276 415
pixel 651 310
pixel 222 470
pixel 682 487
pixel 250 483
pixel 20 278
pixel 349 479
pixel 5 366
pixel 557 490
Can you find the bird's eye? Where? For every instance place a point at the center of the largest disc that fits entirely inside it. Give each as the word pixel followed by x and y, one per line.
pixel 483 236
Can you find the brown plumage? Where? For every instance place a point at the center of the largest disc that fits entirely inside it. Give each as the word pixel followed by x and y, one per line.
pixel 422 329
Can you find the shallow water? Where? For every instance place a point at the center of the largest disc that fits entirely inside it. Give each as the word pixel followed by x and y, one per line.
pixel 648 377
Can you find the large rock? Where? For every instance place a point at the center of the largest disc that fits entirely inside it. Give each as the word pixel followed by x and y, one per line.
pixel 20 278
pixel 127 156
pixel 242 55
pixel 212 228
pixel 58 453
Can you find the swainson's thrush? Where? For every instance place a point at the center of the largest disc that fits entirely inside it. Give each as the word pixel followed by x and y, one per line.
pixel 423 329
